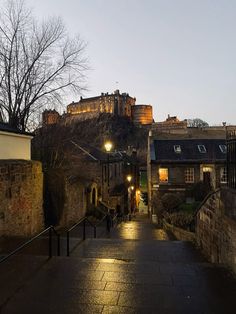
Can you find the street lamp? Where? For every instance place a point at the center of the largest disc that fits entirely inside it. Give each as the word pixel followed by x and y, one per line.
pixel 108 147
pixel 130 188
pixel 129 178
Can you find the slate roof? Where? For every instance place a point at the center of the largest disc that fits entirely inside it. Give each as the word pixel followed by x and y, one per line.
pixel 5 127
pixel 163 151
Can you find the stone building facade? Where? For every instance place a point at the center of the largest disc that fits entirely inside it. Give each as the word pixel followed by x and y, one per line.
pixel 93 179
pixel 142 114
pixel 50 117
pixel 231 158
pixel 171 124
pixel 115 103
pixel 118 104
pixel 21 198
pixel 174 165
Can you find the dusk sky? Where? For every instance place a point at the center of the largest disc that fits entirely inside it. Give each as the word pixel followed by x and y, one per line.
pixel 178 55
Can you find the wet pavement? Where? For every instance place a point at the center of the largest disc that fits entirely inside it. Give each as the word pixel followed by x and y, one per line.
pixel 135 269
pixel 139 228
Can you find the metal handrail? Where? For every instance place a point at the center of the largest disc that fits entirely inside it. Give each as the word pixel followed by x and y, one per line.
pixel 49 229
pixel 83 220
pixel 205 200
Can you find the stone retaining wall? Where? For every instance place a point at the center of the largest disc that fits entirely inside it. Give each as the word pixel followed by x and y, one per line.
pixel 21 198
pixel 216 230
pixel 179 233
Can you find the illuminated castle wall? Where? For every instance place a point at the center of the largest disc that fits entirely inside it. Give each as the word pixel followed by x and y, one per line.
pixel 142 114
pixel 88 108
pixel 116 103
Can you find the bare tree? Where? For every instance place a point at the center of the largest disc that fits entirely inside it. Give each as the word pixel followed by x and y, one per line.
pixel 39 63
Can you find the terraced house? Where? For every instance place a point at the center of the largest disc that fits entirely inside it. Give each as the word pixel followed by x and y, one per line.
pixel 174 165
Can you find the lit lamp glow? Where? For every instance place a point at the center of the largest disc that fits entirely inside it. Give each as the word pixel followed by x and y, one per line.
pixel 132 187
pixel 129 178
pixel 108 146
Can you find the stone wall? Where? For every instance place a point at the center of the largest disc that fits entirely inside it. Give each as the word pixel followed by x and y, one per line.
pixel 216 230
pixel 65 198
pixel 179 233
pixel 21 198
pixel 75 203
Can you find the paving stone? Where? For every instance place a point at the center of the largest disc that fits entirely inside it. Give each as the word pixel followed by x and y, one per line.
pixel 133 271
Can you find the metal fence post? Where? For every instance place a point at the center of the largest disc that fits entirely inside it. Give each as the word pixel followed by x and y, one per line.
pixel 50 243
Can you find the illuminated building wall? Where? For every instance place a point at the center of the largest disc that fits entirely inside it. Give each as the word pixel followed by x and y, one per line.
pixel 116 103
pixel 142 114
pixel 50 117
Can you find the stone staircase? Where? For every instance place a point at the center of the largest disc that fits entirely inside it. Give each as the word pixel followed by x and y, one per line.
pixel 130 272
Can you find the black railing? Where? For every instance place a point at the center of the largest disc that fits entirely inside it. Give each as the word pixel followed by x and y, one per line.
pixel 206 198
pixel 82 221
pixel 48 230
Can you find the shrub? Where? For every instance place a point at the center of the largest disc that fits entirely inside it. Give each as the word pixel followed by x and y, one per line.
pixel 180 219
pixel 171 201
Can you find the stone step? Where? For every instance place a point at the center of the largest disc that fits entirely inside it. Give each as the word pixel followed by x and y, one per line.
pixel 105 285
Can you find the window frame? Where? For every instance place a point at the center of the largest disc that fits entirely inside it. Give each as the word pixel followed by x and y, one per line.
pixel 167 172
pixel 200 150
pixel 223 174
pixel 188 174
pixel 223 148
pixel 177 149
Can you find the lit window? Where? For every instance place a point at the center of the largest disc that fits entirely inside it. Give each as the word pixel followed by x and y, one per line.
pixel 223 175
pixel 189 175
pixel 177 149
pixel 202 148
pixel 163 175
pixel 223 149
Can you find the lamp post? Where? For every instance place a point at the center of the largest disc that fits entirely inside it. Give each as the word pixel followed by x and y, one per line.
pixel 129 179
pixel 108 147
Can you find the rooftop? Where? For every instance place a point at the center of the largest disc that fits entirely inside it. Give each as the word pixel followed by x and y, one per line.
pixel 189 150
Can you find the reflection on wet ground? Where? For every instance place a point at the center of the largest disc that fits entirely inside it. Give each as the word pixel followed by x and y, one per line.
pixel 132 270
pixel 140 228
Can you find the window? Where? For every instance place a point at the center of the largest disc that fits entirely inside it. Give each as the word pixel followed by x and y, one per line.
pixel 202 149
pixel 189 175
pixel 223 149
pixel 223 175
pixel 177 149
pixel 163 174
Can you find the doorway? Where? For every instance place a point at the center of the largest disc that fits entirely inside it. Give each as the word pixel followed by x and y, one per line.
pixel 207 176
